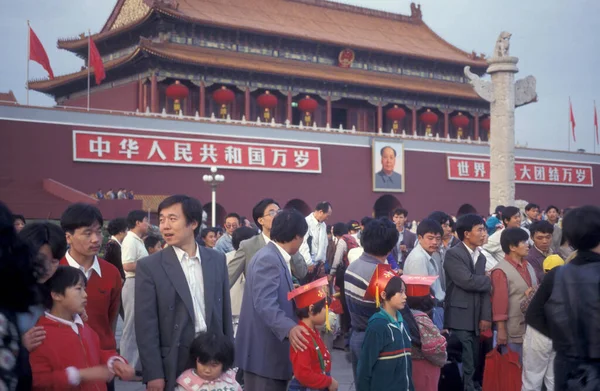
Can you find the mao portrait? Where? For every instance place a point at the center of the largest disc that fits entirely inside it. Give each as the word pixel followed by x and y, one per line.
pixel 388 166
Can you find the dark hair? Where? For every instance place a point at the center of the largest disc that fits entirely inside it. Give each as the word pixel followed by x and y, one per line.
pixel 543 226
pixel 18 285
pixel 565 211
pixel 552 207
pixel 191 207
pixel 365 220
pixel 530 206
pixel 287 225
pixel 379 237
pixel 18 217
pixel 387 146
pixel 499 210
pixel 206 231
pixel 512 237
pixel 241 234
pixel 508 213
pixel 400 211
pixel 303 313
pixel 466 223
pixel 323 207
pixel 134 216
pixel 582 227
pixel 259 209
pixel 466 209
pixel 394 285
pixel 421 303
pixel 80 215
pixel 429 226
pixel 340 229
pixel 212 347
pixel 116 226
pixel 64 277
pixel 151 241
pixel 234 215
pixel 39 234
pixel 439 216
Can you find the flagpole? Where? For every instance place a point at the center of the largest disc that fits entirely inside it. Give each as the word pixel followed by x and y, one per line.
pixel 595 133
pixel 568 122
pixel 28 49
pixel 88 69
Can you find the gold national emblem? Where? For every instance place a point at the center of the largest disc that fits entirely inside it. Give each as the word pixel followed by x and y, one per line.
pixel 346 58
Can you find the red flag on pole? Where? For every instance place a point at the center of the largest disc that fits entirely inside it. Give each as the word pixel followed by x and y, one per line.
pixel 596 123
pixel 572 120
pixel 38 54
pixel 96 61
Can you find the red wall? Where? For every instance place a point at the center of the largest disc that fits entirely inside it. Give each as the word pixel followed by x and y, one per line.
pixel 121 98
pixel 346 179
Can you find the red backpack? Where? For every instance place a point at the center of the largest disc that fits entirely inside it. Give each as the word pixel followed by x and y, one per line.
pixel 350 243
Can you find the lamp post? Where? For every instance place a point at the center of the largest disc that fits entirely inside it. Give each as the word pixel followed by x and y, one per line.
pixel 213 179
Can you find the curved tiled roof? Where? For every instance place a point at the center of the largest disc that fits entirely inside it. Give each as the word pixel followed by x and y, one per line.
pixel 279 66
pixel 316 20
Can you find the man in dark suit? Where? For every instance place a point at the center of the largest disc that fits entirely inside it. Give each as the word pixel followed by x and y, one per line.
pixel 179 292
pixel 268 324
pixel 468 308
pixel 406 239
pixel 263 214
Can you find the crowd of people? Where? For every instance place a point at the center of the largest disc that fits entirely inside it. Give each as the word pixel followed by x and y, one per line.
pixel 120 194
pixel 246 308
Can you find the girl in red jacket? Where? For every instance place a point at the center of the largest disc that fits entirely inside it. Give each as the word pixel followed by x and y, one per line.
pixel 70 356
pixel 312 366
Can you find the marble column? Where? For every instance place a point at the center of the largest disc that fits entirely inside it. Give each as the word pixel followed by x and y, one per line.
pixel 504 96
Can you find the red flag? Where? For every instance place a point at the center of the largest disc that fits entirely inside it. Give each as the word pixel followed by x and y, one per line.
pixel 572 120
pixel 95 61
pixel 596 123
pixel 38 54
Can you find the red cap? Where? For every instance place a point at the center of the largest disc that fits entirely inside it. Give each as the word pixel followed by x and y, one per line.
pixel 382 275
pixel 309 294
pixel 418 285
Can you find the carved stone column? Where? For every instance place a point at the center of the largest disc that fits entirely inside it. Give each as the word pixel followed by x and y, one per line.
pixel 504 95
pixel 202 104
pixel 247 103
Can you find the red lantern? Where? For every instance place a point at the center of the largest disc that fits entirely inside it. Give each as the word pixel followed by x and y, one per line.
pixel 308 105
pixel 486 124
pixel 267 102
pixel 460 121
pixel 177 92
pixel 223 96
pixel 395 114
pixel 429 118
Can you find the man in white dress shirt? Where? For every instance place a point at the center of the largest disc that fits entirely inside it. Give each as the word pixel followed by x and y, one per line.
pixel 179 292
pixel 132 250
pixel 314 246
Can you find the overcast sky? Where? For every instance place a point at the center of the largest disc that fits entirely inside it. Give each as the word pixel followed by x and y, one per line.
pixel 555 40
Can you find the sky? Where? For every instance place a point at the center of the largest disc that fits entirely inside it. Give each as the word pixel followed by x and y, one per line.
pixel 555 41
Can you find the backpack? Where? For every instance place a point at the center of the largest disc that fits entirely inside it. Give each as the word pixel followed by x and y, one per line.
pixel 350 243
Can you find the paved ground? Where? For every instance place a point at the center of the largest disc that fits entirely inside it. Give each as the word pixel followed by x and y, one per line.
pixel 341 370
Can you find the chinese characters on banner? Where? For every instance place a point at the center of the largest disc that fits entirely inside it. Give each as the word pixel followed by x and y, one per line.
pixel 102 147
pixel 478 169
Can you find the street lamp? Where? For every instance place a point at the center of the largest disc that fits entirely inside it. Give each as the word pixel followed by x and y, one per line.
pixel 213 180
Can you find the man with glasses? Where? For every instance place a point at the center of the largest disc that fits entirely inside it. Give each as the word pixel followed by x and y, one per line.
pixel 314 247
pixel 232 222
pixel 421 262
pixel 263 214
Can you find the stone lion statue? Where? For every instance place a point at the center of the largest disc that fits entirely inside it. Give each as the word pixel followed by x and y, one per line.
pixel 502 44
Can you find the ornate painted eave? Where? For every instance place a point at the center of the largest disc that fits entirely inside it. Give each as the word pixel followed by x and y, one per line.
pixel 317 21
pixel 215 58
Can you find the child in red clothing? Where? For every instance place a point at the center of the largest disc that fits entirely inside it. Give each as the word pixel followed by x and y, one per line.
pixel 312 366
pixel 70 356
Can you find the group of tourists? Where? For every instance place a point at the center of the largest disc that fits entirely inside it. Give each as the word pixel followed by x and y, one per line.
pixel 415 309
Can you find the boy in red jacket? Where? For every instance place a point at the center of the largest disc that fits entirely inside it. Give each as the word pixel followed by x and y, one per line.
pixel 70 356
pixel 312 366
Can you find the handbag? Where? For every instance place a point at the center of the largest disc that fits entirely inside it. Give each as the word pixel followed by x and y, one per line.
pixel 502 371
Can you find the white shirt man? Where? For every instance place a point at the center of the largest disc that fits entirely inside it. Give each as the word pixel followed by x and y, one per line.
pixel 316 235
pixel 192 269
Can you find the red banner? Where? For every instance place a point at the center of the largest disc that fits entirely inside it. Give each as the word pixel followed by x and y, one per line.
pixel 537 173
pixel 99 147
